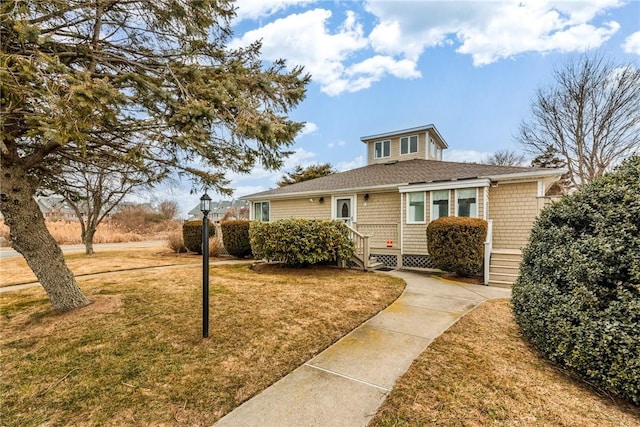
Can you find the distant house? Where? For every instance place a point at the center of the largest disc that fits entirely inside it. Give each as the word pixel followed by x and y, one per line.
pixel 234 209
pixel 404 186
pixel 56 208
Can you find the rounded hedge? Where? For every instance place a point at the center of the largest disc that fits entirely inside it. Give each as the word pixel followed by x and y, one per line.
pixel 456 244
pixel 192 235
pixel 578 295
pixel 235 237
pixel 301 242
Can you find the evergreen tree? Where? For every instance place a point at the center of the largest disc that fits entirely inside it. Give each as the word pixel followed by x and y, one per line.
pixel 300 174
pixel 147 84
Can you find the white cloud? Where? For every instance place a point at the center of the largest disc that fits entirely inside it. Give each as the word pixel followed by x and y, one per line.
pixel 304 39
pixel 490 31
pixel 340 143
pixel 255 9
pixel 358 162
pixel 469 156
pixel 342 58
pixel 632 43
pixel 244 184
pixel 308 129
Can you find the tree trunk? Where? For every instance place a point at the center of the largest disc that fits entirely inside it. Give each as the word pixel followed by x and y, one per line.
pixel 30 237
pixel 87 239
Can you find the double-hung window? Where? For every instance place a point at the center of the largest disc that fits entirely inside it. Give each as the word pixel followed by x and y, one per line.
pixel 415 207
pixel 381 149
pixel 409 144
pixel 439 204
pixel 466 202
pixel 261 211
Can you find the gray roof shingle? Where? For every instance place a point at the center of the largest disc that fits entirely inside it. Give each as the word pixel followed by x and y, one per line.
pixel 394 174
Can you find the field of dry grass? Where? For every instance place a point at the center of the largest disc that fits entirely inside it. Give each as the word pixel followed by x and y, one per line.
pixel 481 372
pixel 136 356
pixel 68 233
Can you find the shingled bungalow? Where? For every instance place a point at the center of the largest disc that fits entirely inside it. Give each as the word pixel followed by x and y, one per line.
pixel 404 186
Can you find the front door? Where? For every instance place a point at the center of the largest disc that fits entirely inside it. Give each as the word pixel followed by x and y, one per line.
pixel 344 210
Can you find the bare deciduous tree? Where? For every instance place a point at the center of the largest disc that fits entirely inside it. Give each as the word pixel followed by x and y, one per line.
pixel 95 187
pixel 167 210
pixel 505 158
pixel 590 117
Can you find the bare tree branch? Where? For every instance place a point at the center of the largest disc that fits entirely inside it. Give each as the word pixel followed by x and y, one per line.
pixel 591 117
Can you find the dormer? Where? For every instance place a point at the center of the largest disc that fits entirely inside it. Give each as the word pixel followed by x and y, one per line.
pixel 422 142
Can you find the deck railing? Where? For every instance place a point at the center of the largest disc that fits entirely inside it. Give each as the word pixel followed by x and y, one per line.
pixel 361 242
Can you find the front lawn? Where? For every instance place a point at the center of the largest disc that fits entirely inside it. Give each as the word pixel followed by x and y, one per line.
pixel 136 356
pixel 481 372
pixel 15 270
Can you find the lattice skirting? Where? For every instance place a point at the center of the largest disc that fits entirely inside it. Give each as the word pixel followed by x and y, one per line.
pixel 417 261
pixel 387 260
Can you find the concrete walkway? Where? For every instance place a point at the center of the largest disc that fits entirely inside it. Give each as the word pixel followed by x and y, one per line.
pixel 344 385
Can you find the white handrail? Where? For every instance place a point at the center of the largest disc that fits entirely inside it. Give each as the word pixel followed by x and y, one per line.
pixel 362 246
pixel 488 247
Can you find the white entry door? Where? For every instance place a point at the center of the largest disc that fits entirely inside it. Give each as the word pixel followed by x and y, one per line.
pixel 344 209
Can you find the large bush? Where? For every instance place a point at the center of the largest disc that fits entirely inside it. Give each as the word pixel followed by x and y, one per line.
pixel 299 242
pixel 578 295
pixel 456 244
pixel 192 235
pixel 235 237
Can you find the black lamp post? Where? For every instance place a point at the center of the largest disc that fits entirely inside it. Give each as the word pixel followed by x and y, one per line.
pixel 205 208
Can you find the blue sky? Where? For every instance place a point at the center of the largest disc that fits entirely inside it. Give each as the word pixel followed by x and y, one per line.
pixel 471 68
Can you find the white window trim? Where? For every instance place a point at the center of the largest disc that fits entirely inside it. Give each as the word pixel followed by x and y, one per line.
pixel 409 144
pixel 253 210
pixel 477 204
pixel 445 185
pixel 382 156
pixel 424 208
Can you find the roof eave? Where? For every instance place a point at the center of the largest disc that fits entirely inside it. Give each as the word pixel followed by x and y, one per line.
pixel 548 173
pixel 322 192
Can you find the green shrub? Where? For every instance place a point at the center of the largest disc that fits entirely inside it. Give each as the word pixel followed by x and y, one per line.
pixel 578 295
pixel 299 242
pixel 192 235
pixel 235 236
pixel 456 244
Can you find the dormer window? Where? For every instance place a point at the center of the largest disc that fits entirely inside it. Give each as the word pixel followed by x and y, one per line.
pixel 382 149
pixel 409 144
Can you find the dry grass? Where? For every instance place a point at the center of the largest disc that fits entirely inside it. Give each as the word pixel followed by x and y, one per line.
pixel 481 372
pixel 68 233
pixel 15 270
pixel 136 356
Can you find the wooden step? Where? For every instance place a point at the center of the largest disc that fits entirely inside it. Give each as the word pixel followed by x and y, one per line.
pixel 504 269
pixel 375 265
pixel 500 283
